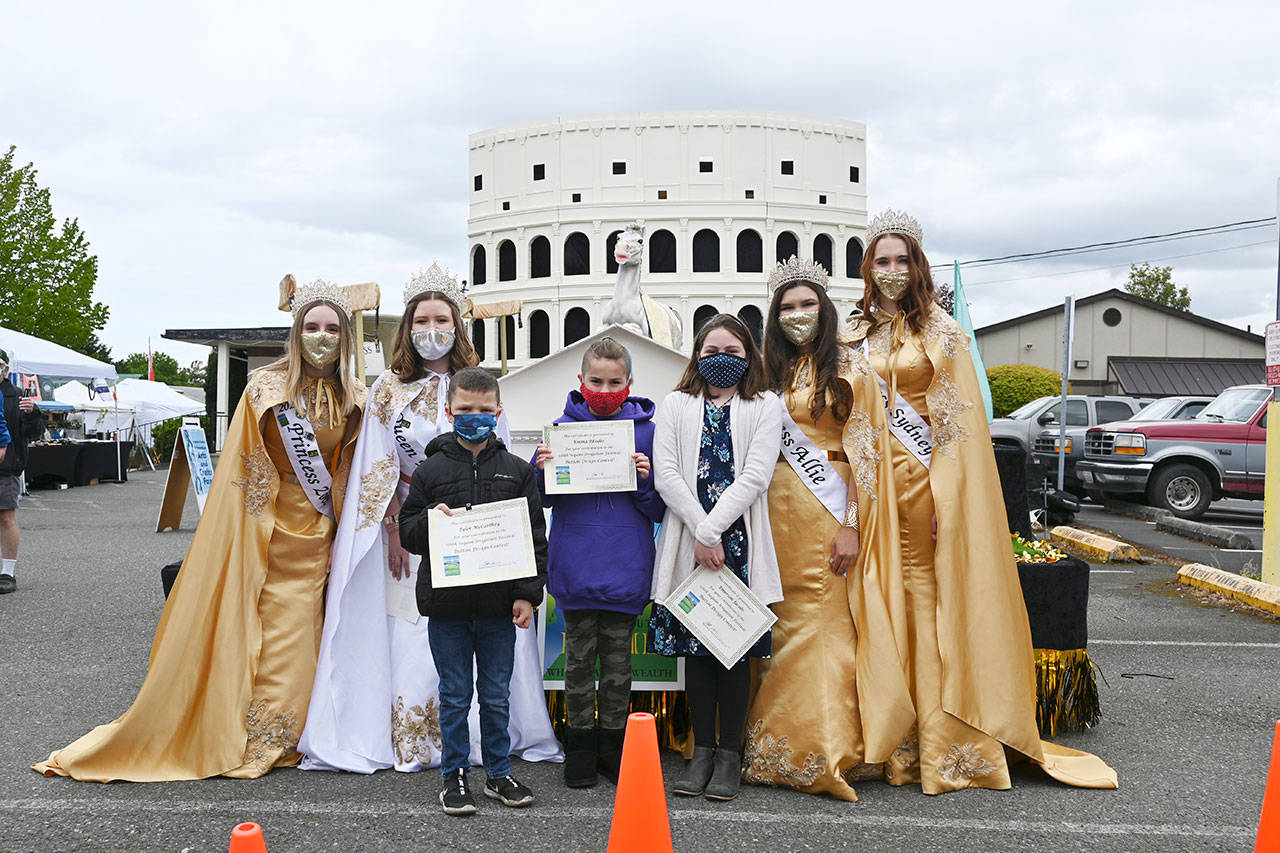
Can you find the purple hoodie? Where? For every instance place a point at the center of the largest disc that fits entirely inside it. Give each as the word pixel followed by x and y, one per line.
pixel 600 546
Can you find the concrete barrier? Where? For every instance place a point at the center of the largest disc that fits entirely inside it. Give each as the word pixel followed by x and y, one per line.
pixel 1223 537
pixel 1097 548
pixel 1264 596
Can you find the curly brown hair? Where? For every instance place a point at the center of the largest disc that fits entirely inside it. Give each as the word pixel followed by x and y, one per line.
pixel 780 354
pixel 919 296
pixel 407 365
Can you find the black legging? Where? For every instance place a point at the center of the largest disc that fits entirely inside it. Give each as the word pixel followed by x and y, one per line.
pixel 709 687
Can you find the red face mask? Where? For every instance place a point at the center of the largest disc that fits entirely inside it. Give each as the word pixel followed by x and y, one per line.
pixel 605 402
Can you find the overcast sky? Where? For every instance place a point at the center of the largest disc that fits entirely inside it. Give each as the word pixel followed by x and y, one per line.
pixel 207 149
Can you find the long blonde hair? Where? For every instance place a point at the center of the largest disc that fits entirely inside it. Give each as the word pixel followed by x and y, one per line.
pixel 296 378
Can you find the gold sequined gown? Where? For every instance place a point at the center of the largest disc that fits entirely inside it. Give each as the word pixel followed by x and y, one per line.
pixel 803 725
pixel 954 604
pixel 234 654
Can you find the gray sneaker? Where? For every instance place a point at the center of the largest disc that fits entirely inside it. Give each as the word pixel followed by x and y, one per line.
pixel 8 583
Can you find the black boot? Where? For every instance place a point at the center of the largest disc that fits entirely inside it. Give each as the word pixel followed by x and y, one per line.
pixel 696 772
pixel 726 778
pixel 580 758
pixel 609 752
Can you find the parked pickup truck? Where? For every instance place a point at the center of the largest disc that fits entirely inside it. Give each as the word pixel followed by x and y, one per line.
pixel 1046 446
pixel 1183 466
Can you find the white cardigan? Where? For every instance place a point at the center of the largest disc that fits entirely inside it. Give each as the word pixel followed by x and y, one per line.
pixel 756 430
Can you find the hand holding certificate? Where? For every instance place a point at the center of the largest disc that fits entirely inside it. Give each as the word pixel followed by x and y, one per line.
pixel 590 456
pixel 722 612
pixel 489 542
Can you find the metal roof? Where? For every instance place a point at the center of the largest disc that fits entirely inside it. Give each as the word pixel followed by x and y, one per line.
pixel 1165 377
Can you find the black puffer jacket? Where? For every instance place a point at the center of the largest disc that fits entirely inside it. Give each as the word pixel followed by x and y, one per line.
pixel 451 475
pixel 24 427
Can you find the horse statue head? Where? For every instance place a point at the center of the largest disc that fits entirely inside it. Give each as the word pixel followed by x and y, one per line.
pixel 630 246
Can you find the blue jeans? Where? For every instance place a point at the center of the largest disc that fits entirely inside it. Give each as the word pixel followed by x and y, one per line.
pixel 491 643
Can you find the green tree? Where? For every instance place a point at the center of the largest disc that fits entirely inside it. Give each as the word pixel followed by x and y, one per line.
pixel 167 368
pixel 1156 283
pixel 46 272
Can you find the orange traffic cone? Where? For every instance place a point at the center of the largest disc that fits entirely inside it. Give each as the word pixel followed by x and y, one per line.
pixel 640 822
pixel 247 838
pixel 1269 824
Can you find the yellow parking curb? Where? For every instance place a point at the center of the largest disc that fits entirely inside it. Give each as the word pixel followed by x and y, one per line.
pixel 1263 596
pixel 1099 549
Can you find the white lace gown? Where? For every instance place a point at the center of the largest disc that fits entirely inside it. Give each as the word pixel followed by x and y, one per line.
pixel 375 700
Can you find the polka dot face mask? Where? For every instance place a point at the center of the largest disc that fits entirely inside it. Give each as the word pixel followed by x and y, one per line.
pixel 722 370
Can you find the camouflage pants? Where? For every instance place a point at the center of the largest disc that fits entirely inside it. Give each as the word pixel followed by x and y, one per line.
pixel 588 633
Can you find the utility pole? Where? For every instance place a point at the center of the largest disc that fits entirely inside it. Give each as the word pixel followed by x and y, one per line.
pixel 1068 319
pixel 1271 486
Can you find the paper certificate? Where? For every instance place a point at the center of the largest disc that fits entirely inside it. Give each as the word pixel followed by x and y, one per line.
pixel 590 456
pixel 722 612
pixel 489 542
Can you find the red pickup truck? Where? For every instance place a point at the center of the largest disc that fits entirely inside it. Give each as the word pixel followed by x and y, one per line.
pixel 1183 466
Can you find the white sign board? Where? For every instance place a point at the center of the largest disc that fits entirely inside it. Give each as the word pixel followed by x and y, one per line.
pixel 1273 353
pixel 199 461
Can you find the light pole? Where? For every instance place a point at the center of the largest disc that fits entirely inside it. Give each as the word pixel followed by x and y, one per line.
pixel 1271 486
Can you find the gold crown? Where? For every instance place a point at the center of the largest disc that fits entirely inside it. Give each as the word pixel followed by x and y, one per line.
pixel 894 222
pixel 794 269
pixel 435 279
pixel 320 291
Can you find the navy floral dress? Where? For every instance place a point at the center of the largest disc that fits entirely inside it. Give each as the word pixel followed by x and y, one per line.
pixel 715 473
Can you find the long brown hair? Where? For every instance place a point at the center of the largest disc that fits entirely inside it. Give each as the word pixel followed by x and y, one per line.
pixel 407 365
pixel 780 354
pixel 291 362
pixel 752 383
pixel 919 296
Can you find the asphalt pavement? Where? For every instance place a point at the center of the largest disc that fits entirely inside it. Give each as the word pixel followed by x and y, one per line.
pixel 1189 699
pixel 1235 515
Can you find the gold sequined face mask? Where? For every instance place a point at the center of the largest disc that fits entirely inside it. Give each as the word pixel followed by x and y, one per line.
pixel 320 349
pixel 892 284
pixel 800 327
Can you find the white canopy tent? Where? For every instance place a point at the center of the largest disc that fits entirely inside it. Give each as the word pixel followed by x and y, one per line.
pixel 153 402
pixel 101 414
pixel 29 354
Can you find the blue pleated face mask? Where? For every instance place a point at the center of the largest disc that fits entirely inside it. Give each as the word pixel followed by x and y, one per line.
pixel 474 427
pixel 722 370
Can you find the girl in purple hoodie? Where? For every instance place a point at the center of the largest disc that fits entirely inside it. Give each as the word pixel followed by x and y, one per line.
pixel 600 569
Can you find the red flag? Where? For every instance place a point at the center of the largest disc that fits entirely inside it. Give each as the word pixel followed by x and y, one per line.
pixel 151 368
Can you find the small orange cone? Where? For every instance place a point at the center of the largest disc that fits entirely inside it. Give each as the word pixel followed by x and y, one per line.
pixel 247 838
pixel 1269 824
pixel 640 822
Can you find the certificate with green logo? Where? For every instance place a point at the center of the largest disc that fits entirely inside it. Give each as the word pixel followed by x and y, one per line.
pixel 590 456
pixel 489 542
pixel 721 611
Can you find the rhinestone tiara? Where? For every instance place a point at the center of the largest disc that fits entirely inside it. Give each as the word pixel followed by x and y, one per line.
pixel 433 278
pixel 794 269
pixel 320 291
pixel 894 222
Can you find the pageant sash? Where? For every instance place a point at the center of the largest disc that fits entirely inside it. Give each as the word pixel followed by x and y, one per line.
pixel 410 451
pixel 304 455
pixel 812 467
pixel 905 423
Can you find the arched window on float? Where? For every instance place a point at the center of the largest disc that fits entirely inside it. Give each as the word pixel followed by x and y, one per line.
pixel 661 249
pixel 754 321
pixel 750 251
pixel 539 334
pixel 702 315
pixel 787 246
pixel 611 262
pixel 853 258
pixel 479 261
pixel 577 325
pixel 509 324
pixel 706 251
pixel 822 251
pixel 477 337
pixel 577 254
pixel 540 257
pixel 506 261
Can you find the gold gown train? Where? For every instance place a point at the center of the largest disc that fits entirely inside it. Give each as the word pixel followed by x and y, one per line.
pixel 234 654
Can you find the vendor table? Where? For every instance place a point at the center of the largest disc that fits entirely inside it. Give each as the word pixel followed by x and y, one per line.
pixel 97 461
pixel 52 463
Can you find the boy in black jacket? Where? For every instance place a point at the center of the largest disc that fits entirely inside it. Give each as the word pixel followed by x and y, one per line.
pixel 465 467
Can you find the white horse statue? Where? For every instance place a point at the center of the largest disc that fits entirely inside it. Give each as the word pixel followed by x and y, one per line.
pixel 631 307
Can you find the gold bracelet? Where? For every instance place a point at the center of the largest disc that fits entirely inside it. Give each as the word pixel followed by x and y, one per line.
pixel 851 515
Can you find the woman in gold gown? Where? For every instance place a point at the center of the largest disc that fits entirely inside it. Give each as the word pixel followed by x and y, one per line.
pixel 804 728
pixel 235 651
pixel 956 693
